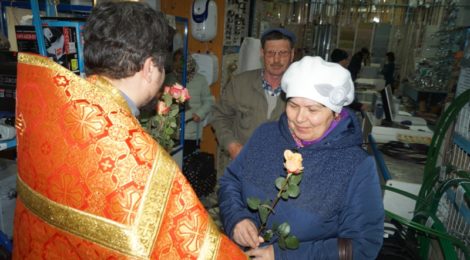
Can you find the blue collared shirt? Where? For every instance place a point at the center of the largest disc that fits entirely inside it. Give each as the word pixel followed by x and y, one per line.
pixel 268 88
pixel 135 111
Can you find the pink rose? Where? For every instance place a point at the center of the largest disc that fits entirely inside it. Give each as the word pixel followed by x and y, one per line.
pixel 166 89
pixel 184 96
pixel 293 162
pixel 176 91
pixel 162 108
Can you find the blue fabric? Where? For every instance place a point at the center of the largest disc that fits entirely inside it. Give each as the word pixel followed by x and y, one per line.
pixel 134 110
pixel 340 193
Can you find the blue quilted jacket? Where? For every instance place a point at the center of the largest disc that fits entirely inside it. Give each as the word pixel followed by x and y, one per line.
pixel 340 192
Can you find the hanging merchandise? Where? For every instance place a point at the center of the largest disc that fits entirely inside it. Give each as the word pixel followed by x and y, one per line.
pixel 236 22
pixel 204 20
pixel 434 70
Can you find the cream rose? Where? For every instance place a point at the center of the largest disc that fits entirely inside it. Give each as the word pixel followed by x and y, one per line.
pixel 293 162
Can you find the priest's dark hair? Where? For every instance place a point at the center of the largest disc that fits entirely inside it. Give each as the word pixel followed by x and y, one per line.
pixel 120 36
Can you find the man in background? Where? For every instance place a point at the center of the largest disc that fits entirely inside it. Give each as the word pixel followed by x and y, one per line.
pixel 341 57
pixel 253 97
pixel 355 65
pixel 388 69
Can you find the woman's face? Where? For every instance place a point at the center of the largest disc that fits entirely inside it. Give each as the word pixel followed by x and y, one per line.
pixel 308 119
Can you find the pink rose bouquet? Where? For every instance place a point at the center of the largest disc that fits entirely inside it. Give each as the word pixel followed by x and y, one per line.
pixel 164 124
pixel 288 188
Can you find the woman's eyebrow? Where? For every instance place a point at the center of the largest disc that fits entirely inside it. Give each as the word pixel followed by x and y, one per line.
pixel 318 105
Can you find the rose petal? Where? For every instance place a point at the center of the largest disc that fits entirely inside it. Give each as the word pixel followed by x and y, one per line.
pixel 293 162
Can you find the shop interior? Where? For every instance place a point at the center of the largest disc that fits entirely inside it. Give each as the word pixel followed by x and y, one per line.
pixel 417 127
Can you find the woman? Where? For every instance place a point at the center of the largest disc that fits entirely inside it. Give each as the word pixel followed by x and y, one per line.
pixel 200 104
pixel 197 111
pixel 339 212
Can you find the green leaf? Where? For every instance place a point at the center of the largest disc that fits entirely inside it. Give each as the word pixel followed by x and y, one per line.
pixel 285 195
pixel 295 179
pixel 293 191
pixel 268 235
pixel 284 229
pixel 263 214
pixel 282 243
pixel 292 242
pixel 279 182
pixel 253 203
pixel 173 124
pixel 173 112
pixel 169 131
pixel 168 99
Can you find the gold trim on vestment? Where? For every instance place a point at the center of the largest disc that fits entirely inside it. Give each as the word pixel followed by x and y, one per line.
pixel 211 243
pixel 135 240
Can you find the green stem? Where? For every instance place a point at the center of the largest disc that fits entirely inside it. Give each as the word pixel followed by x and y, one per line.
pixel 278 197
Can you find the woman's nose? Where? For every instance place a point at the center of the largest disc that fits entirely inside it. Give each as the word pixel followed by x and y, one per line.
pixel 300 117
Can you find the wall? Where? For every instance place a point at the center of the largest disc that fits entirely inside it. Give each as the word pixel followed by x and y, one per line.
pixel 182 8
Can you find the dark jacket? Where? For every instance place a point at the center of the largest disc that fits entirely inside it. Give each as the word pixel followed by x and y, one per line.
pixel 355 65
pixel 340 195
pixel 388 71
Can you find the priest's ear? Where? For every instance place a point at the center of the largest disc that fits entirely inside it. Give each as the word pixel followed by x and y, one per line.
pixel 152 71
pixel 147 69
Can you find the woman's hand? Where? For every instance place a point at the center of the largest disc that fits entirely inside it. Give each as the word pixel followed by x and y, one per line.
pixel 261 253
pixel 196 118
pixel 245 234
